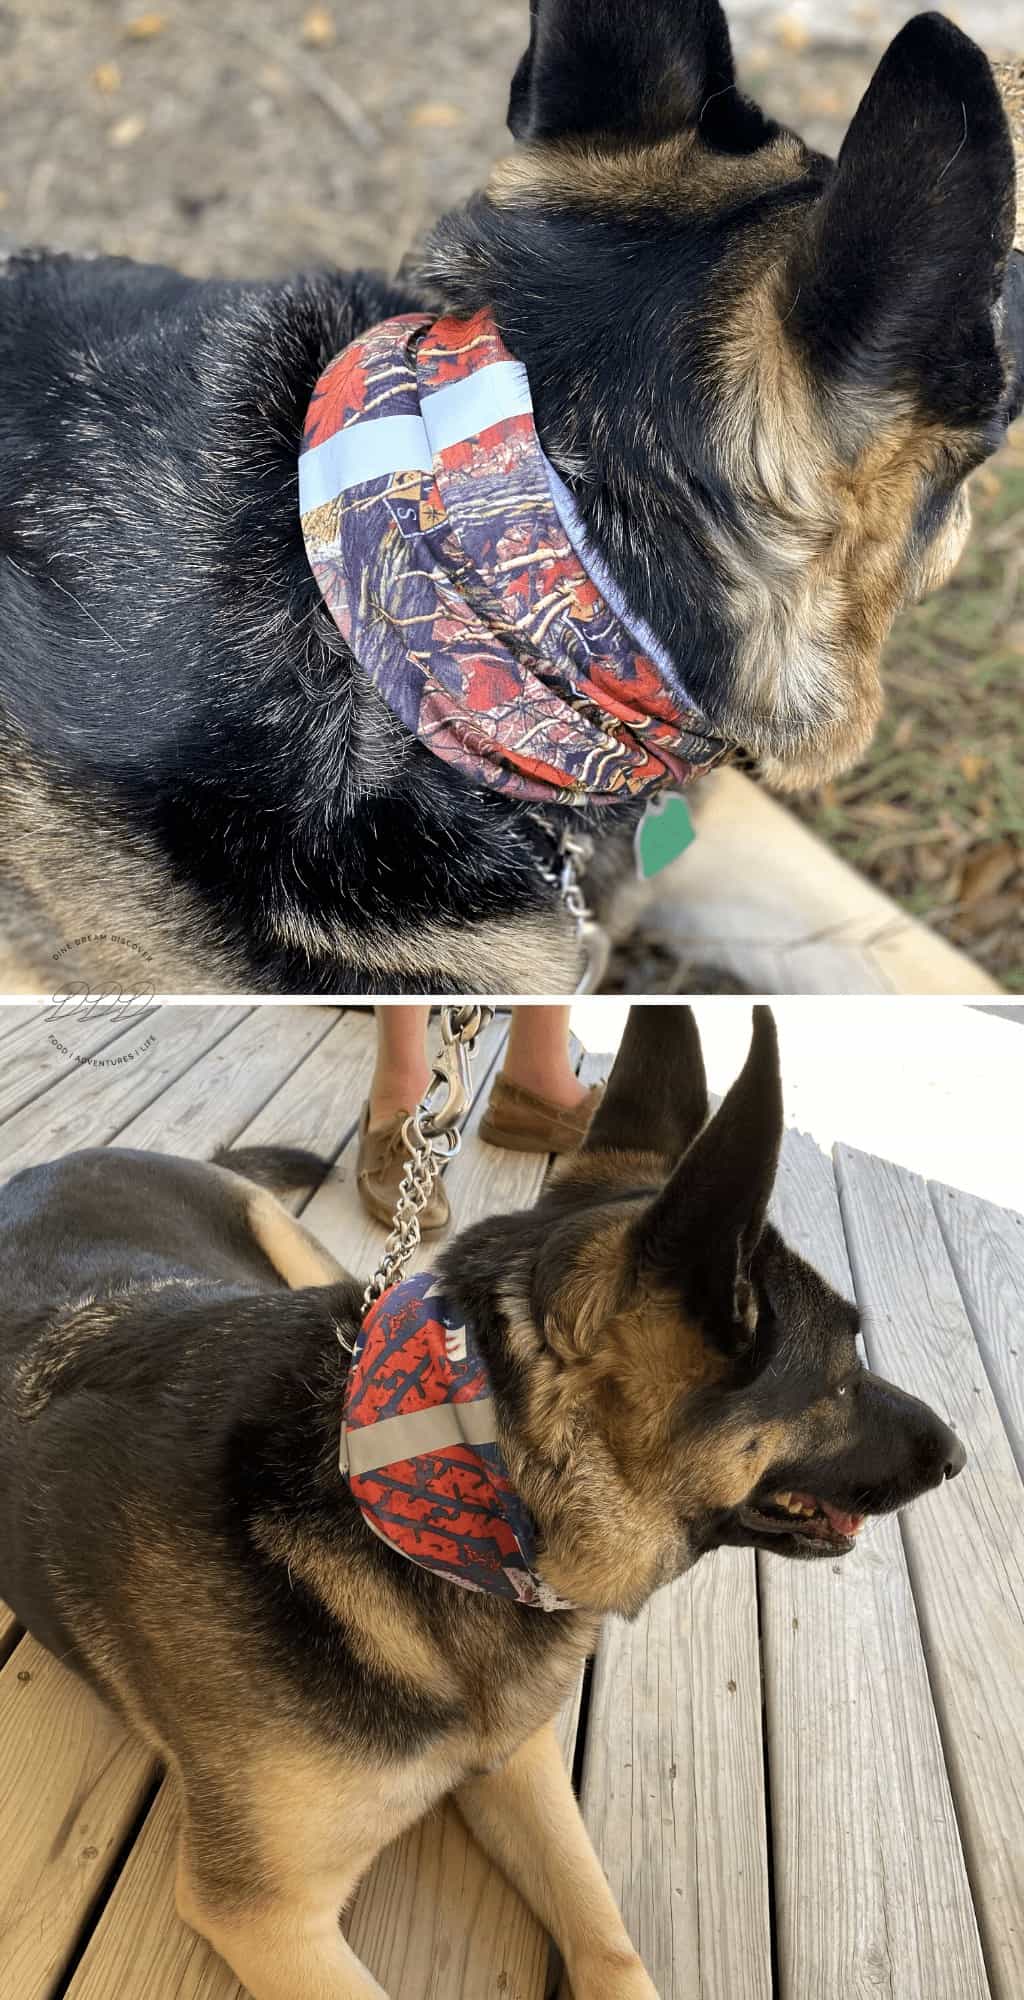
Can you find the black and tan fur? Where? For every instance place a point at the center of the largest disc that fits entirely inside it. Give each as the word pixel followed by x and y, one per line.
pixel 764 375
pixel 173 1523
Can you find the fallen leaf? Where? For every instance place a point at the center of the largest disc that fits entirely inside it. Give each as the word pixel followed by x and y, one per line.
pixel 929 865
pixel 989 915
pixel 972 766
pixel 318 29
pixel 107 77
pixel 881 812
pixel 127 130
pixel 435 114
pixel 144 26
pixel 988 870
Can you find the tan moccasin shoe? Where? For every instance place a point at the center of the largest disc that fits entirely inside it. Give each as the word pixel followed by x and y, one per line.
pixel 380 1164
pixel 524 1122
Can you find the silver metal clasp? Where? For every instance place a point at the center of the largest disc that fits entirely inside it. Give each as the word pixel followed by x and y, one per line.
pixel 431 1138
pixel 449 1093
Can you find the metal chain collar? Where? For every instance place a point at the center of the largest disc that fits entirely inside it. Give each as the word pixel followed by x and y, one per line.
pixel 574 852
pixel 432 1138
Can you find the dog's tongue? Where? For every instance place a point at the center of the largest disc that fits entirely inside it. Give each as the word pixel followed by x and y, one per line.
pixel 844 1524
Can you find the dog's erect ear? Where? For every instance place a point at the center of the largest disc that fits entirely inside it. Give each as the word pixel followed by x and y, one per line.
pixel 657 1095
pixel 630 69
pixel 912 240
pixel 702 1230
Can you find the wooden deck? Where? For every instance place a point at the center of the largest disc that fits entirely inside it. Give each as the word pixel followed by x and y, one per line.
pixel 805 1781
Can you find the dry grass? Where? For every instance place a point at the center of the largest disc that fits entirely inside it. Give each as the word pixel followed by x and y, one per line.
pixel 936 815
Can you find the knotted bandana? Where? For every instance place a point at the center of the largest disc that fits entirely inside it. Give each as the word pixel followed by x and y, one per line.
pixel 453 561
pixel 419 1448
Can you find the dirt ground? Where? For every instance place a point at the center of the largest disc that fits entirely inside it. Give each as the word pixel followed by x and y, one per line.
pixel 254 136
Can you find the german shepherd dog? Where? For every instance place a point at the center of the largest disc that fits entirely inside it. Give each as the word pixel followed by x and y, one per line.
pixel 669 1377
pixel 764 377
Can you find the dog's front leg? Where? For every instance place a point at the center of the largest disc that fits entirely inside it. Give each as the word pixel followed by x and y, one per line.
pixel 265 1868
pixel 285 1946
pixel 525 1816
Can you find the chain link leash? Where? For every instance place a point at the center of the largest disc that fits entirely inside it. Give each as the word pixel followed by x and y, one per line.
pixel 574 852
pixel 431 1138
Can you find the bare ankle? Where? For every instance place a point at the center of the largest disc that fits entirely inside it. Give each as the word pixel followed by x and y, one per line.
pixel 557 1083
pixel 396 1094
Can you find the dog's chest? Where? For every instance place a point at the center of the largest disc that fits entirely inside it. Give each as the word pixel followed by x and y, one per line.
pixel 530 1693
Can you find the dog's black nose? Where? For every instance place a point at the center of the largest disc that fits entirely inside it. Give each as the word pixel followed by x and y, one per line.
pixel 956 1458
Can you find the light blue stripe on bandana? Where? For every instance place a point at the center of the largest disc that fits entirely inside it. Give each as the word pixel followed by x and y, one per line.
pixel 575 528
pixel 462 410
pixel 383 445
pixel 363 452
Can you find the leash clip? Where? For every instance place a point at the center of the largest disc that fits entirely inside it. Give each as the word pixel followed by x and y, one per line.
pixel 431 1138
pixel 452 1074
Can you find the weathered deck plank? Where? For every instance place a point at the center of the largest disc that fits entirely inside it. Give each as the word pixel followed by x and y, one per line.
pixel 8 1630
pixel 672 1789
pixel 81 1781
pixel 986 1248
pixel 251 1063
pixel 870 1891
pixel 30 1066
pixel 94 1105
pixel 14 1019
pixel 318 1106
pixel 965 1544
pixel 140 1949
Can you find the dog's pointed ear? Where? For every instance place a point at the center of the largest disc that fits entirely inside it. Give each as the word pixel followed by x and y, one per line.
pixel 657 1095
pixel 896 290
pixel 701 1232
pixel 642 69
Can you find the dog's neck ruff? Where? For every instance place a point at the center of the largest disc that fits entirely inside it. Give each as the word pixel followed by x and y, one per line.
pixel 453 561
pixel 419 1448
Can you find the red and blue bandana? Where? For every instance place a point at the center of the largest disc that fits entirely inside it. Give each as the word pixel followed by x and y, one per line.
pixel 419 1448
pixel 454 563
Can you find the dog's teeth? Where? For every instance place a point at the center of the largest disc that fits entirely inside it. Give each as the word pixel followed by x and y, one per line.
pixel 783 1499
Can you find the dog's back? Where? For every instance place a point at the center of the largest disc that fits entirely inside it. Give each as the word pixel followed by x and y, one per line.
pixel 108 1256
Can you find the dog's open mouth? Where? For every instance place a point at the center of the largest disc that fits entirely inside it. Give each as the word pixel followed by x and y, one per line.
pixel 808 1519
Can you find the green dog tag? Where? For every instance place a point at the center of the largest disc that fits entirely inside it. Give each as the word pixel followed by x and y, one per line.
pixel 664 833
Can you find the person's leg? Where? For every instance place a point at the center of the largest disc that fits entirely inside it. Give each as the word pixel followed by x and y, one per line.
pixel 401 1072
pixel 400 1077
pixel 538 1104
pixel 537 1056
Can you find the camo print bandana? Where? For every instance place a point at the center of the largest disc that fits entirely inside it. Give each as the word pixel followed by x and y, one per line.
pixel 453 562
pixel 419 1448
